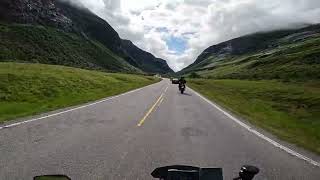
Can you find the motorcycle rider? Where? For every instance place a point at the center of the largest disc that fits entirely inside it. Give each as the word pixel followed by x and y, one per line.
pixel 182 84
pixel 182 81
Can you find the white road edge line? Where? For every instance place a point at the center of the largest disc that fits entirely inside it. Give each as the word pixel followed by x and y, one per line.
pixel 250 129
pixel 73 109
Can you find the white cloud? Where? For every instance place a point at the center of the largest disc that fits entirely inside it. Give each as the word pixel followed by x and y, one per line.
pixel 201 23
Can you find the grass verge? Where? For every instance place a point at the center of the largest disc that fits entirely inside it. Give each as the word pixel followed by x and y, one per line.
pixel 29 89
pixel 291 111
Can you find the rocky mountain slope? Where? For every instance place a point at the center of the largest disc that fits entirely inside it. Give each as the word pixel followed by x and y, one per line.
pixel 141 59
pixel 283 54
pixel 80 22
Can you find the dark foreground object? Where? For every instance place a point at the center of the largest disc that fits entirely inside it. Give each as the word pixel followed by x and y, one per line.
pixel 180 172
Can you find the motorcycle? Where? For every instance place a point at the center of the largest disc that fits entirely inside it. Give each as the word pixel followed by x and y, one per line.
pixel 182 88
pixel 179 172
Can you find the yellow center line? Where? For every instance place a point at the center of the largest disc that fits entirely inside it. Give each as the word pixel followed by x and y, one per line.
pixel 160 101
pixel 166 89
pixel 150 111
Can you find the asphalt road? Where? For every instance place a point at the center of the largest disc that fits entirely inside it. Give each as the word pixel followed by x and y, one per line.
pixel 128 136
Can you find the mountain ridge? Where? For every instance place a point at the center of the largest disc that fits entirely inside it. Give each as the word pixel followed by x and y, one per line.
pixel 135 52
pixel 62 15
pixel 260 51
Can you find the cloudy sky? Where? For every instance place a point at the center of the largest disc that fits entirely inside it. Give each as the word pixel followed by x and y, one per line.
pixel 179 30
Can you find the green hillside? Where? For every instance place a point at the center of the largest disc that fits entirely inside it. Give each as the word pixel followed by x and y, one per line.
pixel 73 36
pixel 285 55
pixel 38 44
pixel 28 89
pixel 293 61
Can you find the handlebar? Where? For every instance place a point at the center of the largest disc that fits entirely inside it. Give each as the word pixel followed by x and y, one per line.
pixel 179 172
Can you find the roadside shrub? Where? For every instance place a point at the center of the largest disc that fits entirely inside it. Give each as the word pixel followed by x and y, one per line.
pixel 194 75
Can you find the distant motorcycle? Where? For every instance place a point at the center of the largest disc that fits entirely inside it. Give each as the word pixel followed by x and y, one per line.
pixel 182 88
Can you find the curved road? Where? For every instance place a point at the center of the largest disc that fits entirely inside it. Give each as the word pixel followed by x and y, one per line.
pixel 127 136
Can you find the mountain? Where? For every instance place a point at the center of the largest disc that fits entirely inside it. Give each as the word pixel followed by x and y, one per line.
pixel 65 21
pixel 144 63
pixel 282 54
pixel 37 44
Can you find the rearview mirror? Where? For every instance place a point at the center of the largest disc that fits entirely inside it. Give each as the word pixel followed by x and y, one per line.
pixel 52 177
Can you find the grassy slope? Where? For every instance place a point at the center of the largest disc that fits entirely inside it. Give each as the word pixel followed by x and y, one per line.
pixel 28 89
pixel 290 61
pixel 27 43
pixel 289 110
